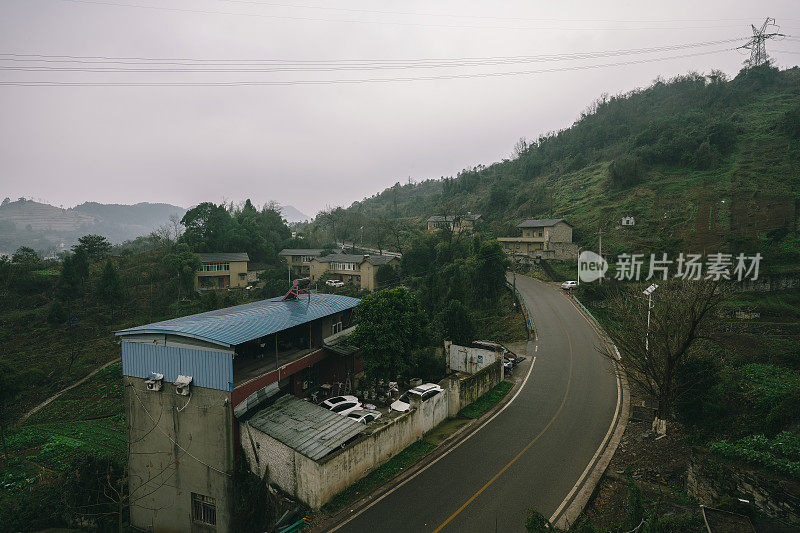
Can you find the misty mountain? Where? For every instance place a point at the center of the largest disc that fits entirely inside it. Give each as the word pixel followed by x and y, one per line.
pixel 292 214
pixel 48 228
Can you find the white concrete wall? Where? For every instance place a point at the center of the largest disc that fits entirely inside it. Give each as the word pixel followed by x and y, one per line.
pixel 315 483
pixel 470 360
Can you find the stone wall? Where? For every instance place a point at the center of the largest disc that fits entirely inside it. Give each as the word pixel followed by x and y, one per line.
pixel 711 478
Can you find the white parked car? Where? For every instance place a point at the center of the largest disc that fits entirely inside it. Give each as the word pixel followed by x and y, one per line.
pixel 569 285
pixel 334 283
pixel 343 405
pixel 424 391
pixel 365 416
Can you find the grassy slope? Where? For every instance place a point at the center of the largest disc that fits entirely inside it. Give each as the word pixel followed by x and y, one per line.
pixel 666 202
pixel 88 419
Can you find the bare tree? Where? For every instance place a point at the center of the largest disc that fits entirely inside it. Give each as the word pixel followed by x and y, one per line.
pixel 682 313
pixel 177 227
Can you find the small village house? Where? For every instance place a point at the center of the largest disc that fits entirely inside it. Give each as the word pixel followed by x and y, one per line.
pixel 299 259
pixel 542 238
pixel 359 269
pixel 222 271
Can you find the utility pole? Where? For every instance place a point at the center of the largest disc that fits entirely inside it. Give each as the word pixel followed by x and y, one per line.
pixel 600 249
pixel 757 46
pixel 649 293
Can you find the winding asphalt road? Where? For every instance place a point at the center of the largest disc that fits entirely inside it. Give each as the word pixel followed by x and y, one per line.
pixel 532 453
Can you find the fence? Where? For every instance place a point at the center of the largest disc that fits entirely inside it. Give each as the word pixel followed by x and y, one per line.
pixel 527 312
pixel 599 326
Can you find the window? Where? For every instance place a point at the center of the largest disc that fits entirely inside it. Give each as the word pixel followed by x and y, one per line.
pixel 343 266
pixel 204 509
pixel 307 258
pixel 336 328
pixel 343 407
pixel 216 267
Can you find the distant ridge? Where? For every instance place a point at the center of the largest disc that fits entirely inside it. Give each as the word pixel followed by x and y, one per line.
pixel 47 228
pixel 292 214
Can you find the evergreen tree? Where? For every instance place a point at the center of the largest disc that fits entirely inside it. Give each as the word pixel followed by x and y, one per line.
pixel 96 247
pixel 110 287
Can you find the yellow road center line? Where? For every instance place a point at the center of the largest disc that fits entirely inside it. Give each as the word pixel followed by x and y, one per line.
pixel 527 446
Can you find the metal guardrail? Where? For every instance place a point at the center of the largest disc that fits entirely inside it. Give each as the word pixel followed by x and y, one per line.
pixel 527 312
pixel 297 526
pixel 599 326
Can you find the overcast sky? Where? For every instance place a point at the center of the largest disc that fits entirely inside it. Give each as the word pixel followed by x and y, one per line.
pixel 322 144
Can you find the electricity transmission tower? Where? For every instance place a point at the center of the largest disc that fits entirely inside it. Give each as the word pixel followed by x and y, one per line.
pixel 757 46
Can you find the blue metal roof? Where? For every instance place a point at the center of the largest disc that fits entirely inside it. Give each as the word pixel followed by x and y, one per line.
pixel 242 323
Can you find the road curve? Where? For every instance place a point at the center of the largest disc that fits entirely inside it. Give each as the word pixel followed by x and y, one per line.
pixel 532 453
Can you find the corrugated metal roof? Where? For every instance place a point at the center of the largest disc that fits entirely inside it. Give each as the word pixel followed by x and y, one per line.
pixel 306 428
pixel 212 258
pixel 242 323
pixel 547 222
pixel 300 251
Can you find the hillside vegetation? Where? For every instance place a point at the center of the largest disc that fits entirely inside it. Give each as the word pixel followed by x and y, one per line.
pixel 699 161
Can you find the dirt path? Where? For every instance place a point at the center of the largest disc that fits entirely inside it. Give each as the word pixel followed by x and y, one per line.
pixel 36 409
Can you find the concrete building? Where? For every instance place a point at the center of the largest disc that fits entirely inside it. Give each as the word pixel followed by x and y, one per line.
pixel 184 379
pixel 455 223
pixel 545 239
pixel 299 259
pixel 360 270
pixel 221 271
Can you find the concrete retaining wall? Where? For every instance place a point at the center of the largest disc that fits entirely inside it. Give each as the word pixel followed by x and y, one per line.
pixel 469 360
pixel 462 391
pixel 315 483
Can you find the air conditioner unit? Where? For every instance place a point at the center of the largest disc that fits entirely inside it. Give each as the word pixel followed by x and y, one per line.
pixel 182 385
pixel 154 381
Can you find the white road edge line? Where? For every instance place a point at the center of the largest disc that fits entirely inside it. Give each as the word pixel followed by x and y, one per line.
pixel 424 468
pixel 594 457
pixel 602 444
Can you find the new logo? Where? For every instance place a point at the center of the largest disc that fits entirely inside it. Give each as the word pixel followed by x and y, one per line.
pixel 591 266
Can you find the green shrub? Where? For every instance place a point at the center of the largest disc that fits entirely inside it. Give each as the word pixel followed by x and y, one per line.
pixel 789 123
pixel 780 454
pixel 535 522
pixel 57 314
pixel 625 171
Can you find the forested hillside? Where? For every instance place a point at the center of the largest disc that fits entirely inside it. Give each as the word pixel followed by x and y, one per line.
pixel 700 162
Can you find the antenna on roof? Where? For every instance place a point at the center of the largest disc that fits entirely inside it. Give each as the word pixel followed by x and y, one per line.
pixel 299 286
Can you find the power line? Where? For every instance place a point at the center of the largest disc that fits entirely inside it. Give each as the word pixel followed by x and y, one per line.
pixel 348 81
pixel 282 65
pixel 102 59
pixel 382 22
pixel 482 17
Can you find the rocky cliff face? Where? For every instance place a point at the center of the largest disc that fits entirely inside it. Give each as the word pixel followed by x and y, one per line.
pixel 711 479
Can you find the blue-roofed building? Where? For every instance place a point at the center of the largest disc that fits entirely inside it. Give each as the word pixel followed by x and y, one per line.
pixel 186 377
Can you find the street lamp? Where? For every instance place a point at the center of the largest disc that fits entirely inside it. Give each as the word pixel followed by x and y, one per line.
pixel 649 293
